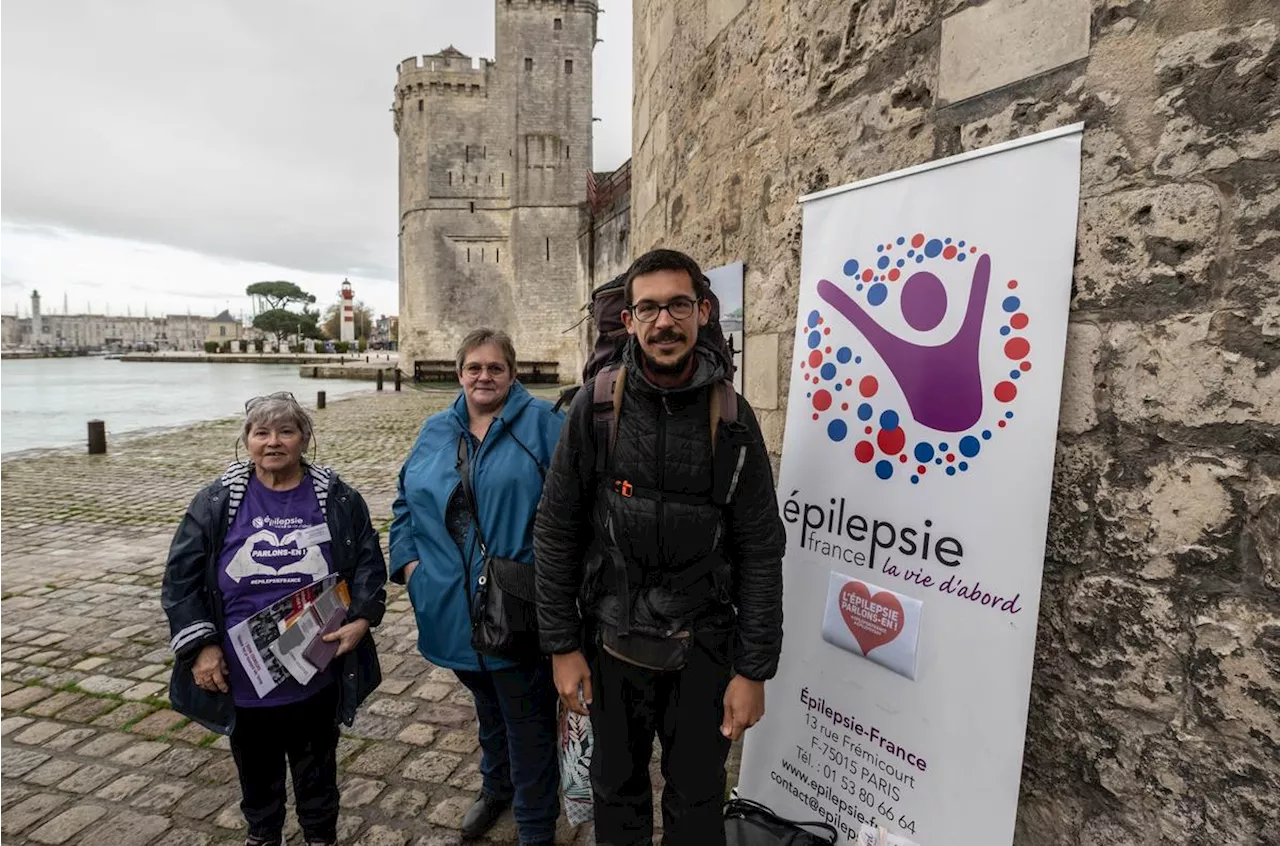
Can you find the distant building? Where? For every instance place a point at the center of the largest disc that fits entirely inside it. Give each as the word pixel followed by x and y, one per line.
pixel 386 331
pixel 104 331
pixel 224 327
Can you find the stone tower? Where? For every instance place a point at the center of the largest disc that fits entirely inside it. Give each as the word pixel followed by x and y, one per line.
pixel 494 157
pixel 37 325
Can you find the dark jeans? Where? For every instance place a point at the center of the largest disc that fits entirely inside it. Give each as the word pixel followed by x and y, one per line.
pixel 518 735
pixel 305 733
pixel 684 709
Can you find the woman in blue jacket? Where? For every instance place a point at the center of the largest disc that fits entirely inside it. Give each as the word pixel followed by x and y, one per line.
pixel 509 437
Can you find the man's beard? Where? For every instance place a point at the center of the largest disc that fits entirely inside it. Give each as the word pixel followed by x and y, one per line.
pixel 673 369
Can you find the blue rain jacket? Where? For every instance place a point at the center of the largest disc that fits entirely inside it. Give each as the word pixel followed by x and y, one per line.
pixel 507 484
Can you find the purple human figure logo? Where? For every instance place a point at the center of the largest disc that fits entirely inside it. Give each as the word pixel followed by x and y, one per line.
pixel 942 384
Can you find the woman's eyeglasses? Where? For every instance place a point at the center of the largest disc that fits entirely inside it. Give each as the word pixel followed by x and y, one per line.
pixel 474 370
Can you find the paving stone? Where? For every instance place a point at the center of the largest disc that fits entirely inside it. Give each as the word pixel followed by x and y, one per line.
pixel 418 734
pixel 448 715
pixel 70 738
pixel 129 631
pixel 105 744
pixel 404 802
pixel 149 671
pixel 144 690
pixel 29 812
pixel 182 761
pixel 449 812
pixel 434 767
pixel 38 733
pixel 192 733
pixel 382 835
pixel 361 791
pixel 129 828
pixel 9 724
pixel 90 778
pixel 184 837
pixel 433 691
pixel 123 715
pixel 467 778
pixel 374 727
pixel 123 787
pixel 13 793
pixel 141 753
pixel 88 709
pixel 68 824
pixel 222 771
pixel 16 763
pixel 105 684
pixel 204 801
pixel 52 772
pixel 388 707
pixel 24 697
pixel 91 663
pixel 158 723
pixel 460 742
pixel 162 797
pixel 229 817
pixel 394 687
pixel 51 706
pixel 379 759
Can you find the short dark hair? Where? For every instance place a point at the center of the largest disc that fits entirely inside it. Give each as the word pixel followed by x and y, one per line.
pixel 655 260
pixel 477 338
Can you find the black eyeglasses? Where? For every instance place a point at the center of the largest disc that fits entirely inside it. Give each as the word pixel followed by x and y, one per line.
pixel 679 309
pixel 279 395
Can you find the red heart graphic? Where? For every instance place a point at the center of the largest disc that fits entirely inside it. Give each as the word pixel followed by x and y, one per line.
pixel 873 620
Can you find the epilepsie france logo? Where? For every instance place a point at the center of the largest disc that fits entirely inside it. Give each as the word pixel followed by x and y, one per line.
pixel 945 408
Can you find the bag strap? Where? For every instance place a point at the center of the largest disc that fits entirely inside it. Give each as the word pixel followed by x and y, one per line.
pixel 723 405
pixel 464 469
pixel 743 806
pixel 606 408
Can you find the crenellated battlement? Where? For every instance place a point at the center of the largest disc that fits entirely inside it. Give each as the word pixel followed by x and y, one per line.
pixel 558 6
pixel 448 72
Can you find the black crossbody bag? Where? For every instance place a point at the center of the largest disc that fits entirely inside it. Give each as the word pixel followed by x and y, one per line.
pixel 748 823
pixel 504 620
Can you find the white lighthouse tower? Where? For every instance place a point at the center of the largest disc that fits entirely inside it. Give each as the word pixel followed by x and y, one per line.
pixel 348 326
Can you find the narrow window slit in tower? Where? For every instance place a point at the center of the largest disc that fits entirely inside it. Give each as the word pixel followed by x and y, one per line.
pixel 473 207
pixel 528 63
pixel 419 105
pixel 468 255
pixel 568 65
pixel 548 249
pixel 557 24
pixel 497 254
pixel 450 177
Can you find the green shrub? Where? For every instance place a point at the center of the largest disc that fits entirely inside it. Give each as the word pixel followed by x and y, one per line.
pixel 211 347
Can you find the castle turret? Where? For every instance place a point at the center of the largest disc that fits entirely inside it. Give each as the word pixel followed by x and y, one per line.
pixel 493 164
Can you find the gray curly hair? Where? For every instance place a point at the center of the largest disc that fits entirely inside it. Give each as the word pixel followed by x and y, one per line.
pixel 275 409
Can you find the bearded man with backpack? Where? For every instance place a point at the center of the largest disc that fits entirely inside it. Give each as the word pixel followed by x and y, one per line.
pixel 658 550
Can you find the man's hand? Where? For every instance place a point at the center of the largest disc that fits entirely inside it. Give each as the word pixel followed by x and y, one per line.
pixel 743 706
pixel 569 672
pixel 210 669
pixel 348 636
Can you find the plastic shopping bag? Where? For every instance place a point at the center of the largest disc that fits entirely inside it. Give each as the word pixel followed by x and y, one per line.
pixel 576 743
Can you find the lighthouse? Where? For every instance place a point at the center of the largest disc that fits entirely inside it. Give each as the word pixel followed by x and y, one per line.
pixel 347 332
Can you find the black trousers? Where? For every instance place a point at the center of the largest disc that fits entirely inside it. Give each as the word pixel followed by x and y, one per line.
pixel 684 709
pixel 306 734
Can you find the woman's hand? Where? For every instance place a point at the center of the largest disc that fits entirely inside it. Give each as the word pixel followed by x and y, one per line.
pixel 210 669
pixel 348 636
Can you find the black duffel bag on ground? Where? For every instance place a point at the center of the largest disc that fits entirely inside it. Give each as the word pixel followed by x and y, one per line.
pixel 748 823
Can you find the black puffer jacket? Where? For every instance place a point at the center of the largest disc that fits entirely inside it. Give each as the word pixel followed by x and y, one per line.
pixel 663 444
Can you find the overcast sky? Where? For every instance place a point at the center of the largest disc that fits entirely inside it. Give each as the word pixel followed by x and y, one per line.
pixel 163 155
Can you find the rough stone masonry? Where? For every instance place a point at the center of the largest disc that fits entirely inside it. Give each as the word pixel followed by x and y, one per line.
pixel 1155 709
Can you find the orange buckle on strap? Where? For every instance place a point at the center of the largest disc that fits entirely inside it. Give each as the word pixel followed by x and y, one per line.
pixel 623 487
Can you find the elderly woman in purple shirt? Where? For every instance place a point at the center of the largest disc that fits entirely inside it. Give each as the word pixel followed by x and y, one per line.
pixel 267 528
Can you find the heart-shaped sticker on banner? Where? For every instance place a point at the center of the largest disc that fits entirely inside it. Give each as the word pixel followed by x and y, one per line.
pixel 873 620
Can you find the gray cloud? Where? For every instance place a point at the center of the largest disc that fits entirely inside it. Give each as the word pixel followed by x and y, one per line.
pixel 252 131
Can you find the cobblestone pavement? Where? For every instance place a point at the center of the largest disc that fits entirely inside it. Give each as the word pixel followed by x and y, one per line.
pixel 91 752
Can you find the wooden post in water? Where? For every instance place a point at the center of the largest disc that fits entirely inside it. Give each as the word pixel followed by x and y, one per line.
pixel 97 437
pixel 379 378
pixel 397 372
pixel 320 399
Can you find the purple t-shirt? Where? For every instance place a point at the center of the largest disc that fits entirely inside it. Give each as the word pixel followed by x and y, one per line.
pixel 260 563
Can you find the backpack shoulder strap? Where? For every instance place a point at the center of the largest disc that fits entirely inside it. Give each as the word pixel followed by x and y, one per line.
pixel 606 408
pixel 723 406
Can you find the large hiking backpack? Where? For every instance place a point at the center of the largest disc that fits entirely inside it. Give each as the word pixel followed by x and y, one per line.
pixel 605 364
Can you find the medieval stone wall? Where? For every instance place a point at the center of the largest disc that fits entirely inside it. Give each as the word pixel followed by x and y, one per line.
pixel 1155 708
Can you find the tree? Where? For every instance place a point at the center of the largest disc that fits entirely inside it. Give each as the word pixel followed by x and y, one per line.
pixel 364 320
pixel 282 323
pixel 278 295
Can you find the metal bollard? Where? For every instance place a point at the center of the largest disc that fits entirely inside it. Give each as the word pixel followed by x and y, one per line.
pixel 320 399
pixel 379 378
pixel 97 437
pixel 397 372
